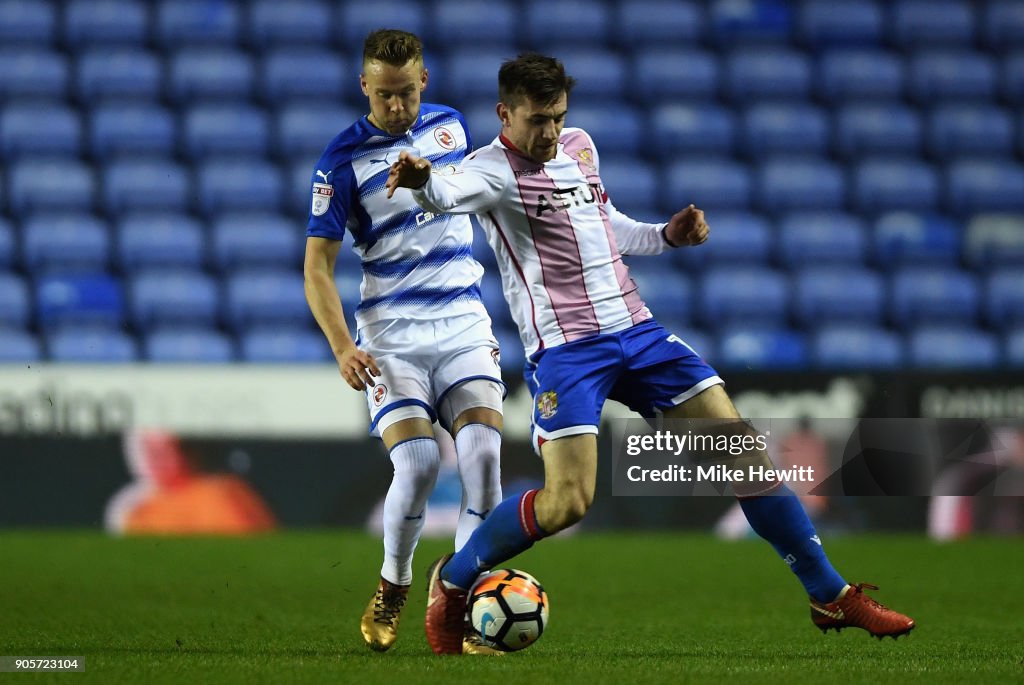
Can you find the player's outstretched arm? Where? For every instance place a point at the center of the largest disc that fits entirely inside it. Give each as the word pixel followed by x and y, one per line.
pixel 357 367
pixel 409 171
pixel 687 227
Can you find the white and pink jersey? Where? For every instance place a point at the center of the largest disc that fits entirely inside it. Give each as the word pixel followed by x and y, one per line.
pixel 557 237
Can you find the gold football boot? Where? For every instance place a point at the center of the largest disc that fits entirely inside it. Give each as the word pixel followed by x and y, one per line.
pixel 380 620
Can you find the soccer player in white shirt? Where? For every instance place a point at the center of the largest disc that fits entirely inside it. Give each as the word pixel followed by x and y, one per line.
pixel 537 192
pixel 424 349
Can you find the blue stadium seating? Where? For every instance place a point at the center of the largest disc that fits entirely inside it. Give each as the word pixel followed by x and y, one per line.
pixel 212 129
pixel 767 73
pixel 943 75
pixel 31 72
pixel 566 22
pixel 472 75
pixel 615 128
pixel 632 187
pixel 313 73
pixel 711 183
pixel 39 129
pixel 151 184
pixel 960 130
pixel 774 128
pixel 246 238
pixel 172 296
pixel 48 182
pixel 934 295
pixel 829 294
pixel 752 21
pixel 274 22
pixel 985 185
pixel 1012 78
pixel 284 346
pixel 883 184
pixel 188 345
pixel 905 238
pixel 841 347
pixel 1015 348
pixel 475 22
pixel 88 299
pixel 882 127
pixel 692 129
pixel 306 129
pixel 736 238
pixel 483 122
pixel 105 22
pixel 1003 24
pixel 91 344
pixel 8 245
pixel 943 348
pixel 270 296
pixel 357 19
pixel 666 290
pixel 121 73
pixel 847 74
pixel 57 240
pixel 655 75
pixel 752 348
pixel 748 295
pixel 821 237
pixel 931 22
pixel 826 23
pixel 513 356
pixel 19 346
pixel 27 21
pixel 298 194
pixel 994 240
pixel 15 303
pixel 243 183
pixel 210 73
pixel 184 22
pixel 1004 298
pixel 600 74
pixel 490 294
pixel 158 239
pixel 131 129
pixel 659 22
pixel 800 183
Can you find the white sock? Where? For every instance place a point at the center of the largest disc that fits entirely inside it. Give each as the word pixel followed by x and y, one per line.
pixel 416 464
pixel 479 450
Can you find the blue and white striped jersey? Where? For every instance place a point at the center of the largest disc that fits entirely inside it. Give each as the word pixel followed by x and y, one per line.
pixel 416 264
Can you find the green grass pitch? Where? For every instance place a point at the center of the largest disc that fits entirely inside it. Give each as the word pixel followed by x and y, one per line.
pixel 625 608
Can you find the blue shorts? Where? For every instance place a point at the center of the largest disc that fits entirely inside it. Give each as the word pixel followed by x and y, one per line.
pixel 644 367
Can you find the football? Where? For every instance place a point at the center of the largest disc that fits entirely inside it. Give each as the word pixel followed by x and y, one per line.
pixel 508 609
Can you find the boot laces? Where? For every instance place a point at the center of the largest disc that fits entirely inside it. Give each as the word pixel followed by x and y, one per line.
pixel 387 606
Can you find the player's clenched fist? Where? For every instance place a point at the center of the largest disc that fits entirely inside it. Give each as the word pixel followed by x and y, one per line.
pixel 687 227
pixel 358 368
pixel 409 171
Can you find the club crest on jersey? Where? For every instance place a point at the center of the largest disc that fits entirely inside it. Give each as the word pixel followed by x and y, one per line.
pixel 322 194
pixel 380 391
pixel 547 404
pixel 586 158
pixel 444 138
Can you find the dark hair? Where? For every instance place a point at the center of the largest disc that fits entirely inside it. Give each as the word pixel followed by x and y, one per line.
pixel 392 46
pixel 532 75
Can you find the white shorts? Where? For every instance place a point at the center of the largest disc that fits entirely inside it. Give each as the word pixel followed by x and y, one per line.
pixel 422 361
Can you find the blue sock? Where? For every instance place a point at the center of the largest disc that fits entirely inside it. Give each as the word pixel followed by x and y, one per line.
pixel 510 529
pixel 781 520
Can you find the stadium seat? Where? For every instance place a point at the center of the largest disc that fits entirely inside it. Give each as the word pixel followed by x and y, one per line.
pixel 39 129
pixel 666 290
pixel 27 21
pixel 8 245
pixel 157 239
pixel 801 183
pixel 42 183
pixel 826 23
pixel 739 237
pixel 91 345
pixel 659 22
pixel 483 122
pixel 884 184
pixel 266 297
pixel 131 129
pixel 755 349
pixel 961 130
pixel 487 23
pixel 830 294
pixel 275 22
pixel 1004 298
pixel 472 75
pixel 846 74
pixel 29 72
pixel 285 346
pixel 210 73
pixel 298 194
pixel 994 240
pixel 907 238
pixel 683 129
pixel 815 237
pixel 937 75
pixel 1012 78
pixel 513 356
pixel 601 75
pixel 944 348
pixel 232 184
pixel 88 299
pixel 491 295
pixel 749 295
pixel 760 21
pixel 121 73
pixel 307 128
pixel 877 127
pixel 933 295
pixel 105 22
pixel 1015 348
pixel 932 22
pixel 357 19
pixel 17 345
pixel 188 345
pixel 312 73
pixel 567 22
pixel 58 240
pixel 256 238
pixel 632 187
pixel 710 183
pixel 615 128
pixel 1003 25
pixel 212 129
pixel 150 184
pixel 15 303
pixel 172 296
pixel 844 347
pixel 985 185
pixel 655 75
pixel 188 22
pixel 774 128
pixel 767 73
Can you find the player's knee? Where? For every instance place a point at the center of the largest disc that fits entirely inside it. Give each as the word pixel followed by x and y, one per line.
pixel 570 504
